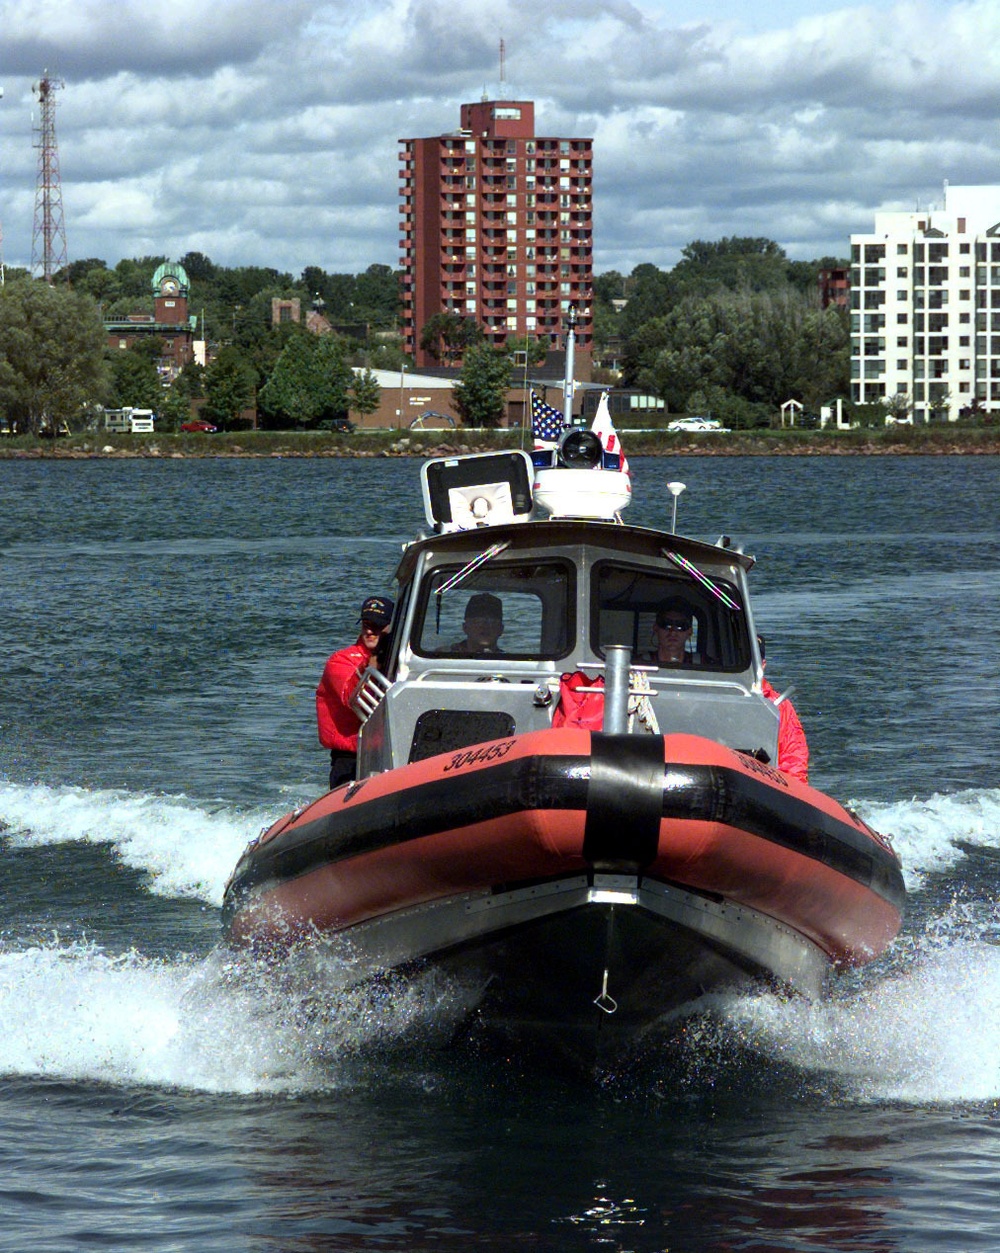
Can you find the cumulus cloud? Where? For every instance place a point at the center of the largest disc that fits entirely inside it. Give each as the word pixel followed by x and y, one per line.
pixel 263 133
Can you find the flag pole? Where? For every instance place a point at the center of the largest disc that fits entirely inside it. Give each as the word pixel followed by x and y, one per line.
pixel 570 365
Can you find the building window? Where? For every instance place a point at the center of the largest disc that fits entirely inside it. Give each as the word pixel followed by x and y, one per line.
pixel 901 250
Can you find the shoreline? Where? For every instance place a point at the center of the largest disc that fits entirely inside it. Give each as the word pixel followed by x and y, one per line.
pixel 255 445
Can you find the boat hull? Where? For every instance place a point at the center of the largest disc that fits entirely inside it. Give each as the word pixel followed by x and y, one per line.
pixel 588 882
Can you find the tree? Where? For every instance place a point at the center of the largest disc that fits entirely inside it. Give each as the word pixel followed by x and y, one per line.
pixel 446 336
pixel 480 395
pixel 309 383
pixel 134 380
pixel 536 350
pixel 229 388
pixel 762 347
pixel 365 394
pixel 378 296
pixel 51 354
pixel 173 409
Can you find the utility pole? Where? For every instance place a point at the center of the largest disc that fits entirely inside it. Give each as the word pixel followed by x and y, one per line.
pixel 48 241
pixel 2 278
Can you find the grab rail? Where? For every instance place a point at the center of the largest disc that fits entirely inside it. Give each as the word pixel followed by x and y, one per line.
pixel 370 693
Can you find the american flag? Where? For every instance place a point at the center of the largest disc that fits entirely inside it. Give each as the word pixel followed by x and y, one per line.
pixel 546 423
pixel 605 431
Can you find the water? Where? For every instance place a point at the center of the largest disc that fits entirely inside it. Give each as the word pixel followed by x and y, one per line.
pixel 162 629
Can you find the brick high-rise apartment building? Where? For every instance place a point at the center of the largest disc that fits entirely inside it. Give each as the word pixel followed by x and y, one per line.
pixel 497 225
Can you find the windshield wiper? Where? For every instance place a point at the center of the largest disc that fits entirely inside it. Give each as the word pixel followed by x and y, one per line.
pixel 689 568
pixel 460 577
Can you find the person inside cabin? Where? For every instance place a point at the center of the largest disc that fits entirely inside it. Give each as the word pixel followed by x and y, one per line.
pixel 793 751
pixel 483 626
pixel 336 721
pixel 672 633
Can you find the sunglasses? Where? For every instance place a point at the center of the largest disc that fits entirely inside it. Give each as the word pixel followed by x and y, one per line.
pixel 371 628
pixel 674 626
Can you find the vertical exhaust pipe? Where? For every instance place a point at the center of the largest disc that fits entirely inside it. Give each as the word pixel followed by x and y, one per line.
pixel 618 659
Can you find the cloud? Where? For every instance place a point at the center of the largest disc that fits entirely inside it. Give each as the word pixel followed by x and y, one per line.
pixel 263 133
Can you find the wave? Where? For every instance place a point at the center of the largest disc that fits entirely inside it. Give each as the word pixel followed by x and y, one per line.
pixel 216 1024
pixel 185 850
pixel 932 835
pixel 927 1035
pixel 189 851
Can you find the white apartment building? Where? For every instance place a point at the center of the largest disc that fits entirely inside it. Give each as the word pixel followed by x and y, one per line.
pixel 925 306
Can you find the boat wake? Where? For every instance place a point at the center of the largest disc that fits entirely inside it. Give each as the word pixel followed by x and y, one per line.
pixel 932 835
pixel 188 850
pixel 925 1035
pixel 922 1025
pixel 210 1024
pixel 929 1034
pixel 184 850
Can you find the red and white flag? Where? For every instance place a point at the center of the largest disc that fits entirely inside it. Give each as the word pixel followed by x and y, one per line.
pixel 605 431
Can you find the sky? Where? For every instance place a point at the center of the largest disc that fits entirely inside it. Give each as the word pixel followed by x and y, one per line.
pixel 265 132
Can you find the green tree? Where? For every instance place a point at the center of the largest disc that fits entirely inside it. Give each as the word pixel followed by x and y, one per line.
pixel 191 381
pixel 174 408
pixel 51 354
pixel 134 380
pixel 309 383
pixel 446 336
pixel 648 293
pixel 762 347
pixel 536 349
pixel 377 297
pixel 480 395
pixel 365 394
pixel 229 388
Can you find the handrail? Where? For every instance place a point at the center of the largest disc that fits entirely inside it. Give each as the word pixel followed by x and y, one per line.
pixel 369 693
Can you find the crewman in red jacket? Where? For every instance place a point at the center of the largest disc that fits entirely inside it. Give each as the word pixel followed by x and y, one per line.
pixel 336 721
pixel 793 751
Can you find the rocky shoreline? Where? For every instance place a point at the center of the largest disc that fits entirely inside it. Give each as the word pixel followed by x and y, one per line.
pixel 274 445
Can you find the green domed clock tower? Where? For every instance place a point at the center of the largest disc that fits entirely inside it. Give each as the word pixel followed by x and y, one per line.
pixel 170 323
pixel 170 293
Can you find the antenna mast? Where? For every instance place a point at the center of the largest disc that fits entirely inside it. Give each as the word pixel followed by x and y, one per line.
pixel 48 242
pixel 503 71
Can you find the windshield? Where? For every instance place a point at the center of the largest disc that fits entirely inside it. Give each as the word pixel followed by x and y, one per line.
pixel 519 609
pixel 668 619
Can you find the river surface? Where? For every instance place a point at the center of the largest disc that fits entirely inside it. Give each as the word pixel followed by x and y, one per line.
pixel 162 628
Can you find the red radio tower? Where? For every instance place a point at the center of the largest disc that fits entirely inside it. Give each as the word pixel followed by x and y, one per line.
pixel 49 236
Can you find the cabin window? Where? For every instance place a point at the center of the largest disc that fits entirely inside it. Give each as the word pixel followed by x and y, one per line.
pixel 625 601
pixel 535 600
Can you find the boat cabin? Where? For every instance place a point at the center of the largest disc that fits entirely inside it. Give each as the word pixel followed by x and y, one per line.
pixel 492 622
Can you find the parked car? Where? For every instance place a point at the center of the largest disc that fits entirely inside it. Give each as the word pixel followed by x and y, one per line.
pixel 698 424
pixel 198 426
pixel 344 425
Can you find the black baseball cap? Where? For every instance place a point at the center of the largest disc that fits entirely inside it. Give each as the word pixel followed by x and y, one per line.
pixel 377 610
